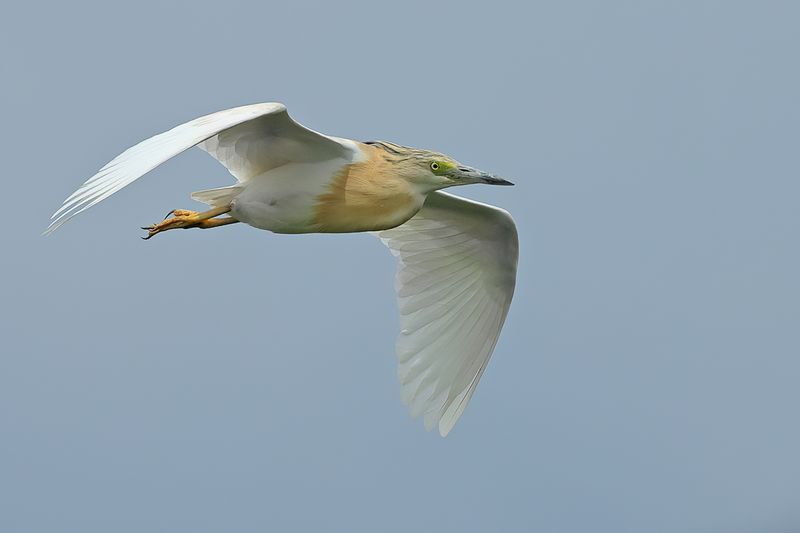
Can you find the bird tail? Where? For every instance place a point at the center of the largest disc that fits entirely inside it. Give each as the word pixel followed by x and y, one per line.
pixel 219 197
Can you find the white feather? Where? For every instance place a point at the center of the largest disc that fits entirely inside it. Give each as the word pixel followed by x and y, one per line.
pixel 458 265
pixel 248 140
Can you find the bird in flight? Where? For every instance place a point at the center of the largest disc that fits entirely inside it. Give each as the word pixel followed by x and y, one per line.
pixel 458 258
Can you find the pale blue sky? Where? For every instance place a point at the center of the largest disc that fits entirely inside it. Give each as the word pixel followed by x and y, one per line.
pixel 234 380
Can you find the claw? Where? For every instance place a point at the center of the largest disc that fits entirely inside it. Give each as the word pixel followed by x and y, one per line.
pixel 149 230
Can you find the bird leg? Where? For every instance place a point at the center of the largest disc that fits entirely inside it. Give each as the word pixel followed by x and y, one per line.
pixel 183 218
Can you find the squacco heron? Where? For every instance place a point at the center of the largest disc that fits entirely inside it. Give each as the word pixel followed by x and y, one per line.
pixel 458 258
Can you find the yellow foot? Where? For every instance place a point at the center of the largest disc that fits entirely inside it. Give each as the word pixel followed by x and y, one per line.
pixel 182 218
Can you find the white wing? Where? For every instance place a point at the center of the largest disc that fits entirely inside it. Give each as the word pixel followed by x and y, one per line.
pixel 248 140
pixel 458 267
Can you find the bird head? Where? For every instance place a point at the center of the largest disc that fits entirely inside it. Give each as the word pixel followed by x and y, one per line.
pixel 432 170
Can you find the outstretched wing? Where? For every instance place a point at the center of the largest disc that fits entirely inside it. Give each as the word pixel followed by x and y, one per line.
pixel 248 140
pixel 458 267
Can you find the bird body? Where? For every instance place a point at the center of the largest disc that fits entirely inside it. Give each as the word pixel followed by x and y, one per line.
pixel 458 258
pixel 339 195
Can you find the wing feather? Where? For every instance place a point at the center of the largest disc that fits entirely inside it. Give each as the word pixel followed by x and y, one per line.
pixel 458 263
pixel 244 139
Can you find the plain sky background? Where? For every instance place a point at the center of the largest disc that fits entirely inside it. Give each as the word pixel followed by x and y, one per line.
pixel 235 380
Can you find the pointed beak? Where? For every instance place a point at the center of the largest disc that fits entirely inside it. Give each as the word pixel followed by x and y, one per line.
pixel 473 175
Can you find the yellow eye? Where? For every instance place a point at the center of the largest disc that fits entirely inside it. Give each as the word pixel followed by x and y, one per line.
pixel 434 166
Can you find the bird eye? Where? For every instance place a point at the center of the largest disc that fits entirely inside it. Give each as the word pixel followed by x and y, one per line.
pixel 434 166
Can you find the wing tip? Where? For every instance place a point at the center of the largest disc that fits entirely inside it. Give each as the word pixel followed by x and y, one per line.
pixel 54 225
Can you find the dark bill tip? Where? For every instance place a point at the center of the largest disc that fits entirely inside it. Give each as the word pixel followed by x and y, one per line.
pixel 494 180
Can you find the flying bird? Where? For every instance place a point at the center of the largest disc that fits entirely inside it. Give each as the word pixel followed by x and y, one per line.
pixel 458 258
